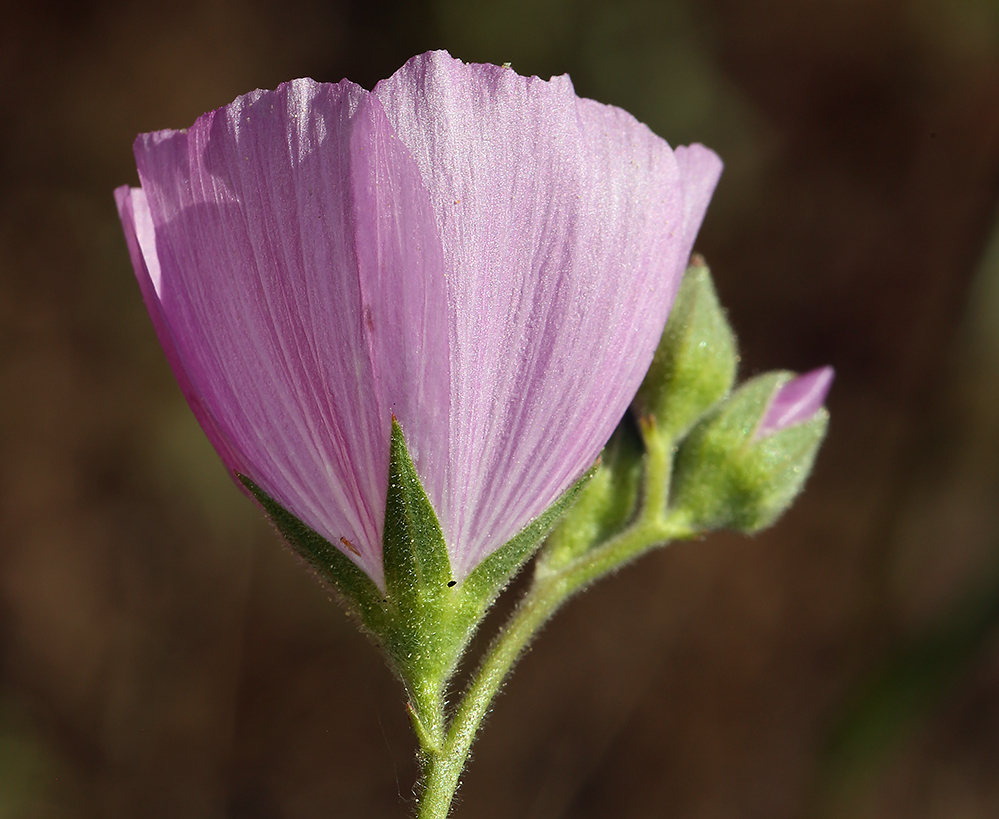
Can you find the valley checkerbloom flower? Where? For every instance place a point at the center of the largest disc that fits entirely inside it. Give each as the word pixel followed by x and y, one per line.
pixel 486 256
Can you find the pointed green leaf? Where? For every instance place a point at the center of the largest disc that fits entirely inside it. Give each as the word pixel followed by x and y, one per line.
pixel 356 589
pixel 416 563
pixel 423 620
pixel 491 576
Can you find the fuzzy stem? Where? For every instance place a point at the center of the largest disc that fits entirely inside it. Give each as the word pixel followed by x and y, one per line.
pixel 426 711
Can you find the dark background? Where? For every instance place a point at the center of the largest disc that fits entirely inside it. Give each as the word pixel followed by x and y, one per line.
pixel 162 655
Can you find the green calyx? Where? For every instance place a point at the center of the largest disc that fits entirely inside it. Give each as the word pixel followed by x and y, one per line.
pixel 429 617
pixel 695 362
pixel 424 618
pixel 725 478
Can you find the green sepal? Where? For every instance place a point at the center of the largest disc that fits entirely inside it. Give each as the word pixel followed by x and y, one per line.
pixel 419 633
pixel 492 575
pixel 414 556
pixel 356 590
pixel 431 617
pixel 604 506
pixel 724 478
pixel 695 362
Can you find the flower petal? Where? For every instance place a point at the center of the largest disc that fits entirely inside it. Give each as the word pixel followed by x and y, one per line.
pixel 562 222
pixel 300 277
pixel 700 169
pixel 140 237
pixel 797 401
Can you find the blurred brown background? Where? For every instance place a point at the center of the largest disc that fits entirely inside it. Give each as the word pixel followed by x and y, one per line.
pixel 162 655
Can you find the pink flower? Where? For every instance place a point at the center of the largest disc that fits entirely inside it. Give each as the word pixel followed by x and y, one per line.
pixel 487 256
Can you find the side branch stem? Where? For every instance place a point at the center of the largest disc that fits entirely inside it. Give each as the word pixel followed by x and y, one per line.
pixel 653 527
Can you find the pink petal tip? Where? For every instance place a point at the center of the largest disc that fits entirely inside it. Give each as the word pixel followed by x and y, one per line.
pixel 796 402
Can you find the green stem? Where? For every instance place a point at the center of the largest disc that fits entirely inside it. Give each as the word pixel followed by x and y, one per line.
pixel 444 769
pixel 654 526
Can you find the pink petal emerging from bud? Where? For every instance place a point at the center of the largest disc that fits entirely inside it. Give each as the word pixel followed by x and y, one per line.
pixel 487 256
pixel 796 402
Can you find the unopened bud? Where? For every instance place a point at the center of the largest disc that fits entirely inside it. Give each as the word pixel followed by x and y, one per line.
pixel 694 365
pixel 741 467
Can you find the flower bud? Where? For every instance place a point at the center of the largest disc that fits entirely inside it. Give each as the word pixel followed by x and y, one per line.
pixel 741 467
pixel 694 365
